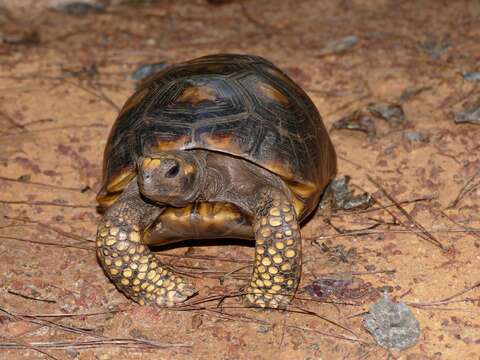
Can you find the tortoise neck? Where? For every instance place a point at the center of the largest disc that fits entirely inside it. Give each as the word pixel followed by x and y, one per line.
pixel 229 179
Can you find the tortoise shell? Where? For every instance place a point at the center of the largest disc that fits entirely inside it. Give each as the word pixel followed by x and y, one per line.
pixel 240 105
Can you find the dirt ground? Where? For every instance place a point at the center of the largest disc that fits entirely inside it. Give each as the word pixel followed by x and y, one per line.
pixel 63 78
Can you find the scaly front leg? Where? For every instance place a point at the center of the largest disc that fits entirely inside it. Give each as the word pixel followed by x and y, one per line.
pixel 277 268
pixel 128 262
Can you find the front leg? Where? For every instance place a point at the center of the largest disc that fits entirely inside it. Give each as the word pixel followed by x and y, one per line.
pixel 128 262
pixel 277 268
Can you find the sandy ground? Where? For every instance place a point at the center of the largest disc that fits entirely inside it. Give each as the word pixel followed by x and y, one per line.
pixel 62 80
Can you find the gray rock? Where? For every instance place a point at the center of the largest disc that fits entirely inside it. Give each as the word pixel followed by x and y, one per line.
pixel 470 115
pixel 392 113
pixel 339 195
pixel 472 76
pixel 393 325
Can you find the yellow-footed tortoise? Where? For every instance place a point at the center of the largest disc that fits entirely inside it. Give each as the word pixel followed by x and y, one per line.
pixel 223 146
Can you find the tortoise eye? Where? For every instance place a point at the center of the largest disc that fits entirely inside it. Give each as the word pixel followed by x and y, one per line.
pixel 173 171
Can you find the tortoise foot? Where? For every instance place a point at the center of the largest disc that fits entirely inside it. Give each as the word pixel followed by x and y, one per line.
pixel 168 292
pixel 266 300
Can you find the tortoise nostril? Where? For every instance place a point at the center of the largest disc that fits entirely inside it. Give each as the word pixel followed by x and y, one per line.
pixel 173 171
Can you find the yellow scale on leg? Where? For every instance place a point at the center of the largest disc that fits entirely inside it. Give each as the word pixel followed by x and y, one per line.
pixel 277 256
pixel 130 264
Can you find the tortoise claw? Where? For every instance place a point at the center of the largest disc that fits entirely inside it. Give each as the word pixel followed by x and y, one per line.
pixel 174 290
pixel 176 296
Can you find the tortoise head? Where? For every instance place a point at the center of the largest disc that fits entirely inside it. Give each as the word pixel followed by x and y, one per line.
pixel 171 177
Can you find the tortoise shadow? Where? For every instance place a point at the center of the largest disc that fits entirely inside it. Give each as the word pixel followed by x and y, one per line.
pixel 204 243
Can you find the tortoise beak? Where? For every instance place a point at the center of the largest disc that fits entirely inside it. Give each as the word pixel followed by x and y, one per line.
pixel 148 163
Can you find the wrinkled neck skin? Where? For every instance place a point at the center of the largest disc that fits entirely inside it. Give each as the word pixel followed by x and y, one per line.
pixel 200 177
pixel 237 181
pixel 220 178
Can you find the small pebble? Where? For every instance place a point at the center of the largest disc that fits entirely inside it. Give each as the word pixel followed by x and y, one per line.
pixel 472 76
pixel 263 329
pixel 470 115
pixel 72 352
pixel 392 113
pixel 435 48
pixel 339 45
pixel 357 121
pixel 78 7
pixel 340 196
pixel 197 321
pixel 145 70
pixel 415 136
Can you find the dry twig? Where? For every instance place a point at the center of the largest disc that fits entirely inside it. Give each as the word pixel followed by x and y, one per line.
pixel 47 243
pixel 468 187
pixel 4 178
pixel 379 232
pixel 448 299
pixel 30 297
pixel 49 227
pixel 45 203
pixel 89 344
pixel 427 235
